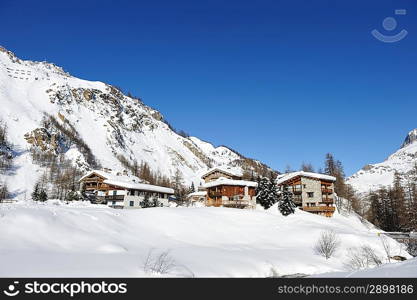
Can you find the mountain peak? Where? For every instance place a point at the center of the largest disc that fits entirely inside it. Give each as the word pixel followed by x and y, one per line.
pixel 44 66
pixel 410 138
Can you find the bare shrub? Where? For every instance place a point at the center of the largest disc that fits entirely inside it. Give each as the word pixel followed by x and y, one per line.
pixel 327 244
pixel 162 263
pixel 362 257
pixel 387 247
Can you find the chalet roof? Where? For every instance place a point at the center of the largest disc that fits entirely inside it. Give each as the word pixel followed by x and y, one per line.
pixel 140 186
pixel 199 193
pixel 231 171
pixel 128 182
pixel 285 177
pixel 226 181
pixel 112 175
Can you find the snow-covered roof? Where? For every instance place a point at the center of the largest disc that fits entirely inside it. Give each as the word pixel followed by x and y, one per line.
pixel 199 193
pixel 226 181
pixel 128 182
pixel 113 175
pixel 232 171
pixel 140 186
pixel 285 177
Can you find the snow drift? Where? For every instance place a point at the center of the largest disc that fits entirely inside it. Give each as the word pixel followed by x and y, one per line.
pixel 54 239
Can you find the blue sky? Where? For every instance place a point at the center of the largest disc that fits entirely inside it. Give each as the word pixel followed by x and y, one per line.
pixel 281 81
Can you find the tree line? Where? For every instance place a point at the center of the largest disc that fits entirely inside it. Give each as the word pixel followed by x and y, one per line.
pixel 6 159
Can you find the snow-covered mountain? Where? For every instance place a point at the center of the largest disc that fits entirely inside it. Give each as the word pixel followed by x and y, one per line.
pixel 93 123
pixel 372 177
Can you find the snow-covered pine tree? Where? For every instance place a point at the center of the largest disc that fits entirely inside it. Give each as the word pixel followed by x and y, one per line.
pixel 273 196
pixel 155 202
pixel 266 193
pixel 35 193
pixel 42 196
pixel 146 203
pixel 286 204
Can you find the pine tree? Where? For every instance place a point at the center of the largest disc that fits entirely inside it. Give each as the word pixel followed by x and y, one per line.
pixel 145 203
pixel 273 196
pixel 286 204
pixel 42 195
pixel 180 192
pixel 266 193
pixel 35 193
pixel 4 192
pixel 155 202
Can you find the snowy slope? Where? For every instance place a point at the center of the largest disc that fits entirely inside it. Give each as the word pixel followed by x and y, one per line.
pixel 93 240
pixel 109 122
pixel 374 176
pixel 406 269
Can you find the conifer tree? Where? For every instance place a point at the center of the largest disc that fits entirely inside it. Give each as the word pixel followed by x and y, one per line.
pixel 286 204
pixel 35 193
pixel 266 193
pixel 42 195
pixel 155 202
pixel 145 203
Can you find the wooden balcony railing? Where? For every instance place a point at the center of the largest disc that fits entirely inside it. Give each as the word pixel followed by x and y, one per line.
pixel 115 197
pixel 235 202
pixel 215 194
pixel 297 200
pixel 319 208
pixel 326 191
pixel 327 200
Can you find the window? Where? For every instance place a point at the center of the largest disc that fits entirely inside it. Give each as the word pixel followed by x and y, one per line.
pixel 131 203
pixel 114 193
pixel 310 194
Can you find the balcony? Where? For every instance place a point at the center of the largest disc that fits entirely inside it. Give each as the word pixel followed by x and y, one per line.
pixel 326 191
pixel 297 191
pixel 215 194
pixel 319 208
pixel 115 197
pixel 297 200
pixel 327 200
pixel 215 203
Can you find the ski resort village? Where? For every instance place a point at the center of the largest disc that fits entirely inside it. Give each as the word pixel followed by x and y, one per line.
pixel 95 183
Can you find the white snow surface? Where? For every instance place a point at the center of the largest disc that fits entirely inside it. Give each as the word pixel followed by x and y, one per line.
pixel 227 181
pixel 405 269
pixel 140 186
pixel 84 240
pixel 110 123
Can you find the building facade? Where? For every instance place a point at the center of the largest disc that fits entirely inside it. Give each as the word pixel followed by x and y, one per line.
pixel 122 191
pixel 231 193
pixel 312 192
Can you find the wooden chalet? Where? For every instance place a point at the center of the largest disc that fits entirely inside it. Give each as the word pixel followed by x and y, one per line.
pixel 231 193
pixel 312 192
pixel 119 190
